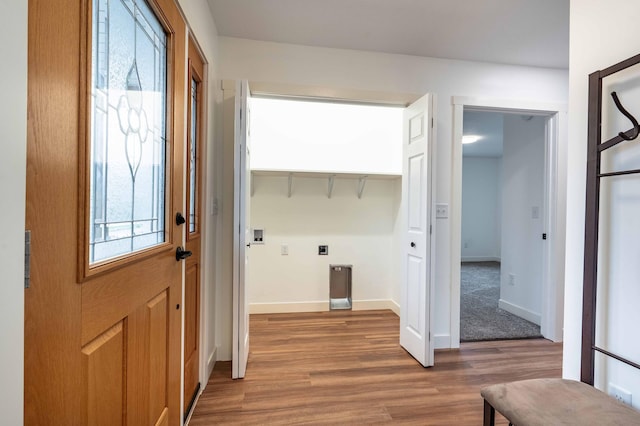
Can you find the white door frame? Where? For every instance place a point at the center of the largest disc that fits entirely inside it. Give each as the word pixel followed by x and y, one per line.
pixel 554 208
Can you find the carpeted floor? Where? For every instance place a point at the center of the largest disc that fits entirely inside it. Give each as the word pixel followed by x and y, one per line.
pixel 480 317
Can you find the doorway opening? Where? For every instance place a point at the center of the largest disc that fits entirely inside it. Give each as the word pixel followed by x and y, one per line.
pixel 525 222
pixel 326 183
pixel 502 227
pixel 416 130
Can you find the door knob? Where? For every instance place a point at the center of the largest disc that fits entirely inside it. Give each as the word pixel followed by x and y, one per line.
pixel 180 219
pixel 413 244
pixel 182 254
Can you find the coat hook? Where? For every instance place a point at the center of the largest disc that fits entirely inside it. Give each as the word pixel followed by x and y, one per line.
pixel 636 126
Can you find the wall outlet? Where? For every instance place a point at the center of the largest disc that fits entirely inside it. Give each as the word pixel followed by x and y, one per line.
pixel 284 249
pixel 620 394
pixel 512 279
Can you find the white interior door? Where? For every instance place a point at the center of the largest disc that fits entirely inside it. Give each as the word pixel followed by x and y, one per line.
pixel 242 230
pixel 417 250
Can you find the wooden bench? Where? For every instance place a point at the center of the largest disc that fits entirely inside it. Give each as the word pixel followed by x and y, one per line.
pixel 545 402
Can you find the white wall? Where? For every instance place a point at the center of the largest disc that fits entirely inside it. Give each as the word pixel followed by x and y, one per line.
pixel 358 232
pixel 593 48
pixel 202 26
pixel 397 243
pixel 522 192
pixel 13 141
pixel 481 208
pixel 349 69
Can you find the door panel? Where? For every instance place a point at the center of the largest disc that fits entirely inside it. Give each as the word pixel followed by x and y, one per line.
pixel 111 297
pixel 196 151
pixel 51 363
pixel 103 367
pixel 242 229
pixel 157 315
pixel 417 288
pixel 415 322
pixel 102 333
pixel 147 356
pixel 191 336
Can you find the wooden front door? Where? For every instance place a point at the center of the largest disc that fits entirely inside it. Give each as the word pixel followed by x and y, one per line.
pixel 104 185
pixel 194 173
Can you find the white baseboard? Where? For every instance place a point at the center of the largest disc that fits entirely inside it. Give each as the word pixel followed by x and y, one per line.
pixel 519 311
pixel 372 305
pixel 211 362
pixel 441 341
pixel 291 307
pixel 395 307
pixel 480 259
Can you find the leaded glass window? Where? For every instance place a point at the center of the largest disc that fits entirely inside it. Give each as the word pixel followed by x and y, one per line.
pixel 128 129
pixel 193 164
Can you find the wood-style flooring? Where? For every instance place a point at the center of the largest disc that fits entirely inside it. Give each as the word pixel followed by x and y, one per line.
pixel 347 367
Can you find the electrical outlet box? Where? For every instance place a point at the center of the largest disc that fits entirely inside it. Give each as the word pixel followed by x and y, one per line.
pixel 323 250
pixel 620 394
pixel 258 236
pixel 284 249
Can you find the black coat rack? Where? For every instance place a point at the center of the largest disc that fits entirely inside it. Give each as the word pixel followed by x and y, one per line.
pixel 592 212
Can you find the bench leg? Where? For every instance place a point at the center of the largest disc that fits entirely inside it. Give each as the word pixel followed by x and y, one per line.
pixel 489 414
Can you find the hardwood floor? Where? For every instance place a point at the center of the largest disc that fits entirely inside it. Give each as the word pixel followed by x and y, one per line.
pixel 346 367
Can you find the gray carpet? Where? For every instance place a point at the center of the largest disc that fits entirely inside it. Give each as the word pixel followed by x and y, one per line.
pixel 480 317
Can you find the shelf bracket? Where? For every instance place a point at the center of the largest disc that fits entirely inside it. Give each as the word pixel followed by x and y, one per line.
pixel 331 178
pixel 290 185
pixel 361 182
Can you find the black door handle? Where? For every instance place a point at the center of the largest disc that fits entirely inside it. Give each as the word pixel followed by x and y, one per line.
pixel 182 254
pixel 180 219
pixel 413 244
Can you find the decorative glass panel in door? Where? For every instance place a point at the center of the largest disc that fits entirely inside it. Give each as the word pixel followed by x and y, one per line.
pixel 128 129
pixel 193 146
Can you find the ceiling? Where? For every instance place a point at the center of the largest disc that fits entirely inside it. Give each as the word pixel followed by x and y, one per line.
pixel 519 32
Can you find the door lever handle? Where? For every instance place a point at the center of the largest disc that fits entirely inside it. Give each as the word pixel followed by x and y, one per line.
pixel 413 244
pixel 182 254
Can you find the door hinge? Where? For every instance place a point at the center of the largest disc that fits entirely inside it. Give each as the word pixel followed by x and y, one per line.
pixel 544 236
pixel 430 229
pixel 432 122
pixel 27 258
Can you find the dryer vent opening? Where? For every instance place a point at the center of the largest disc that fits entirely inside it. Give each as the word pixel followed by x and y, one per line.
pixel 340 287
